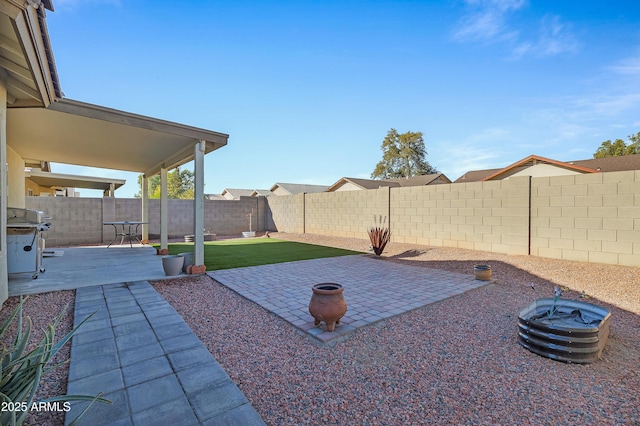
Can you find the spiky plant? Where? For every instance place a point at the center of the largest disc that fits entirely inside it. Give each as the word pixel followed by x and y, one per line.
pixel 22 370
pixel 379 236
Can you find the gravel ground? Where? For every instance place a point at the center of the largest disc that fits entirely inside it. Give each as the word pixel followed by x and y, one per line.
pixel 452 362
pixel 43 310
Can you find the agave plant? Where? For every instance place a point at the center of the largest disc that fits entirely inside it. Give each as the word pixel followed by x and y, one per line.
pixel 22 370
pixel 379 235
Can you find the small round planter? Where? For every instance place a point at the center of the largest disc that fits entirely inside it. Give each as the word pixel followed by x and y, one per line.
pixel 482 272
pixel 172 264
pixel 327 304
pixel 188 260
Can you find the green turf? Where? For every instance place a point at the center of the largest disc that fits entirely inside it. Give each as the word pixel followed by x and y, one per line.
pixel 227 254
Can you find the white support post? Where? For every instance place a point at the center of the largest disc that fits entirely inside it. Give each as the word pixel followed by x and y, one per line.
pixel 164 211
pixel 145 208
pixel 198 202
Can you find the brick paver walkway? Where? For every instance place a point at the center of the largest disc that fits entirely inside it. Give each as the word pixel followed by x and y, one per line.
pixel 375 289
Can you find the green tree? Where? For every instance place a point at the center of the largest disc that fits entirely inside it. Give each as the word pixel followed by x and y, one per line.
pixel 619 147
pixel 180 184
pixel 403 155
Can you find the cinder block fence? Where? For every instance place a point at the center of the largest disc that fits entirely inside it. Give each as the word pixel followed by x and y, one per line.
pixel 585 217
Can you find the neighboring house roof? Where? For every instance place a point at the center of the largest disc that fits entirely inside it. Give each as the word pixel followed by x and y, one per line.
pixel 261 192
pixel 236 193
pixel 48 179
pixel 214 197
pixel 298 188
pixel 609 164
pixel 431 179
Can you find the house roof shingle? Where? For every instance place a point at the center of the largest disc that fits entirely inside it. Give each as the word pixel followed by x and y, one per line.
pixel 608 164
pixel 380 183
pixel 299 188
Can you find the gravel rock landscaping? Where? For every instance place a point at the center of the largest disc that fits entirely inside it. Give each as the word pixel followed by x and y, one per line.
pixel 452 362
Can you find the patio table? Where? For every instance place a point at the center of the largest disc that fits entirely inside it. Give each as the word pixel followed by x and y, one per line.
pixel 127 231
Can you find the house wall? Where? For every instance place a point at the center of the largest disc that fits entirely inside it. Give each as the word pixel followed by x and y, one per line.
pixel 36 189
pixel 347 186
pixel 545 170
pixel 78 221
pixel 15 176
pixel 280 191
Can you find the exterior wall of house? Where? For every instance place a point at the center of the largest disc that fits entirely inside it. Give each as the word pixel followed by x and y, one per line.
pixel 347 186
pixel 37 190
pixel 79 221
pixel 15 177
pixel 545 170
pixel 280 191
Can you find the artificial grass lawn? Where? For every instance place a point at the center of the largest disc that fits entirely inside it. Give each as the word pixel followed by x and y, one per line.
pixel 227 254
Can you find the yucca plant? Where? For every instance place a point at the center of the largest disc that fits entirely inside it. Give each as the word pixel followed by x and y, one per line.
pixel 22 370
pixel 379 235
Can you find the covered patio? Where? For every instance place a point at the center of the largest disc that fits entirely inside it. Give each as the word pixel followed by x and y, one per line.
pixel 76 267
pixel 37 123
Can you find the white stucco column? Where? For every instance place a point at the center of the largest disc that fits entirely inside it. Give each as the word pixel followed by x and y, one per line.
pixel 4 278
pixel 144 192
pixel 164 210
pixel 198 202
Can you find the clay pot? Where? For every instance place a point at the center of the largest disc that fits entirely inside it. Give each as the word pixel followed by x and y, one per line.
pixel 482 272
pixel 327 304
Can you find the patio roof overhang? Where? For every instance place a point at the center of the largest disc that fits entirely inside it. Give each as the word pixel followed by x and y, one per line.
pixel 79 133
pixel 48 179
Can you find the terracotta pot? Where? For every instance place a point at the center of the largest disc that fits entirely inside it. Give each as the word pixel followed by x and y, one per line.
pixel 327 304
pixel 482 272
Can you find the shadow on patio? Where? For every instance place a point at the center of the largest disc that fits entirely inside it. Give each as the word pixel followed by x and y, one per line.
pixel 74 267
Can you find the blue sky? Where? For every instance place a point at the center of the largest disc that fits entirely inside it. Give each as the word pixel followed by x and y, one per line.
pixel 307 90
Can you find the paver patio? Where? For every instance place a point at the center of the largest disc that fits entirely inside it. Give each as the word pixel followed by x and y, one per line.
pixel 142 355
pixel 374 289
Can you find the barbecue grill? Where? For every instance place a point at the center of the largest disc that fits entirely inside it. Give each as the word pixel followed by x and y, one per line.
pixel 25 241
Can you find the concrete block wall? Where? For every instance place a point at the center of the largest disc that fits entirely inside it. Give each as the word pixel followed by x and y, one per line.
pixel 588 218
pixel 78 221
pixel 584 217
pixel 489 216
pixel 285 213
pixel 75 221
pixel 345 213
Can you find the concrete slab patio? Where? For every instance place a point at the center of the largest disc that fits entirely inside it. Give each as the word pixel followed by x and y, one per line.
pixel 375 289
pixel 76 267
